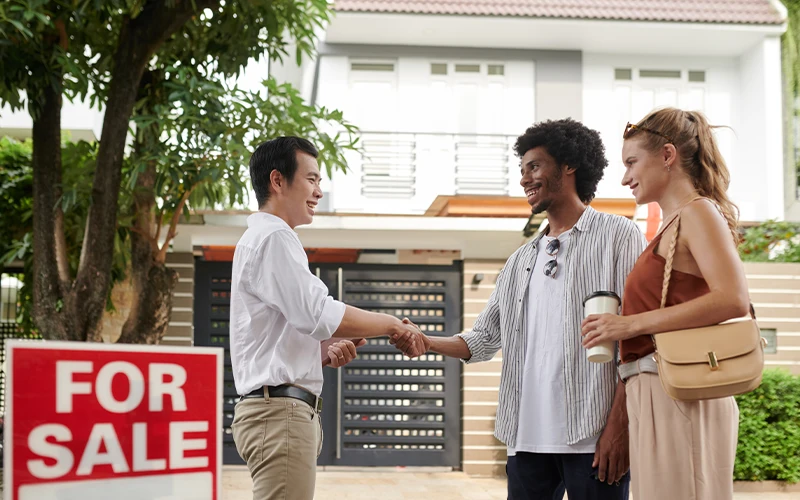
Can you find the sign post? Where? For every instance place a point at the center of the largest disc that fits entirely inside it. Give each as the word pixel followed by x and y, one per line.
pixel 93 421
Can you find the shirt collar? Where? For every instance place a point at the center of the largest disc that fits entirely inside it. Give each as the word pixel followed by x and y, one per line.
pixel 262 218
pixel 584 223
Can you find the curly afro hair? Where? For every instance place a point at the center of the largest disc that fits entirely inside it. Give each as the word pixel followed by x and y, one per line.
pixel 570 143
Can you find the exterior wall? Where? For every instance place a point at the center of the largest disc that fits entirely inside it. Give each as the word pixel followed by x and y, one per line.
pixel 424 132
pixel 181 325
pixel 558 85
pixel 775 292
pixel 482 454
pixel 743 93
pixel 181 330
pixel 607 109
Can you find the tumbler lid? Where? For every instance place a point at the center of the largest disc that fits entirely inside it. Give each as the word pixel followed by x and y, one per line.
pixel 601 293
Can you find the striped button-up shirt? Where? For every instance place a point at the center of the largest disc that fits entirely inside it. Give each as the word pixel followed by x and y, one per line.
pixel 602 251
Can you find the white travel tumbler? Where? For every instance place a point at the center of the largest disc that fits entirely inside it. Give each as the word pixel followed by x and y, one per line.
pixel 601 302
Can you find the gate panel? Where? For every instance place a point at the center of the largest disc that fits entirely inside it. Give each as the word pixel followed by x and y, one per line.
pixel 382 409
pixel 393 410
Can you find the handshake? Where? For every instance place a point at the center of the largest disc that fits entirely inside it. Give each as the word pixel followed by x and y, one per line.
pixel 410 340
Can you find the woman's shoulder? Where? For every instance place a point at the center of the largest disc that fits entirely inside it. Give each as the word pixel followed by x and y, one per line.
pixel 702 220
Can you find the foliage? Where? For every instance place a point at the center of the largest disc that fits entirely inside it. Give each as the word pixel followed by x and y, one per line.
pixel 192 129
pixel 16 223
pixel 790 48
pixel 16 184
pixel 208 129
pixel 771 241
pixel 769 430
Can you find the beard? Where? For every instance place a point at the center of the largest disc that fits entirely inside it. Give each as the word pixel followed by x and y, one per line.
pixel 550 186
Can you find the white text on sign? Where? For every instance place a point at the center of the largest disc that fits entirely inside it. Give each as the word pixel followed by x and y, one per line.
pixel 103 445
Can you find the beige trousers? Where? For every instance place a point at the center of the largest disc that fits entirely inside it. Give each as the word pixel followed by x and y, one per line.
pixel 280 439
pixel 680 450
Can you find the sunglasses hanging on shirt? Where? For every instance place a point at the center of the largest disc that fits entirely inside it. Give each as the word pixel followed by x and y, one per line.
pixel 551 267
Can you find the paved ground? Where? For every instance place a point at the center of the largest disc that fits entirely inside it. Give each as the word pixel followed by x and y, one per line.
pixel 412 484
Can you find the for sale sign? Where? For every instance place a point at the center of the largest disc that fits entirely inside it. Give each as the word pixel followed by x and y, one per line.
pixel 92 421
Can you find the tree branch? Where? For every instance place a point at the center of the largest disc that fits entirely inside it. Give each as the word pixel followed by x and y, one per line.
pixel 160 217
pixel 173 227
pixel 139 39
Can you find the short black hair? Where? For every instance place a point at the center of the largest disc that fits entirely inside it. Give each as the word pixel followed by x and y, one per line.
pixel 276 154
pixel 569 143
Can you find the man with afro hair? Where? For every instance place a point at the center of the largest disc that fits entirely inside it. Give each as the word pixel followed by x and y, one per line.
pixel 562 417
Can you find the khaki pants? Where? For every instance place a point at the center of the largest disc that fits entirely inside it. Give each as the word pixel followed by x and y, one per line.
pixel 280 439
pixel 680 450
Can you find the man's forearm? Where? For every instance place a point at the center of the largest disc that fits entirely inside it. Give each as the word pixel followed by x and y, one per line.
pixel 358 323
pixel 454 347
pixel 619 409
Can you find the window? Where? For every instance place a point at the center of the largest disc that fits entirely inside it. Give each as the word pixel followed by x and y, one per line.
pixel 659 73
pixel 697 76
pixel 496 69
pixel 468 68
pixel 364 66
pixel 438 68
pixel 623 74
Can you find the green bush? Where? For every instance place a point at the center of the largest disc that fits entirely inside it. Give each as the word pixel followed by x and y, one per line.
pixel 769 430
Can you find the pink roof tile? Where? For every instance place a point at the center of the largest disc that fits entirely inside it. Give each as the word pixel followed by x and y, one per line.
pixel 693 11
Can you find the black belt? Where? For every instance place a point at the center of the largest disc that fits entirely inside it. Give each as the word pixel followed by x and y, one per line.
pixel 287 391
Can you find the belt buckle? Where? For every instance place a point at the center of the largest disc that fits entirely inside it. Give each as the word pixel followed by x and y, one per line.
pixel 317 404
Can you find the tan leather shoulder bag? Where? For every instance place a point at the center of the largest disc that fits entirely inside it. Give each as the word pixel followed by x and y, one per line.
pixel 710 362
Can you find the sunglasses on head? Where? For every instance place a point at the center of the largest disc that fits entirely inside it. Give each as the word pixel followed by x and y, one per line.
pixel 630 129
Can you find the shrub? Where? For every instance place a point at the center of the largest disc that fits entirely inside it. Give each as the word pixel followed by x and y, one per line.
pixel 769 430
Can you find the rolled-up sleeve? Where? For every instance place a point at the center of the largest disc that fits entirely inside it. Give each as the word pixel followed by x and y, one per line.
pixel 484 340
pixel 282 280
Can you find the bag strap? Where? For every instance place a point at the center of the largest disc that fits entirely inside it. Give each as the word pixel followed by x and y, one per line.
pixel 671 257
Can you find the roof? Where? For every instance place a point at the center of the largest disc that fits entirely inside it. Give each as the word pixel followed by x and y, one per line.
pixel 692 11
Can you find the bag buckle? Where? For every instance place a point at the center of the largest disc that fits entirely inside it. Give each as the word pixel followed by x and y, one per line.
pixel 712 361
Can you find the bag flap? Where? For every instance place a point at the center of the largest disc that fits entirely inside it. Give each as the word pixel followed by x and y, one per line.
pixel 728 340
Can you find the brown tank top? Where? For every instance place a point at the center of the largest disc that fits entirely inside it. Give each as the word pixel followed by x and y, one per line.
pixel 643 294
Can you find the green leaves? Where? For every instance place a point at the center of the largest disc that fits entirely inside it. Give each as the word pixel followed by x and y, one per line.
pixel 201 132
pixel 769 430
pixel 16 224
pixel 771 241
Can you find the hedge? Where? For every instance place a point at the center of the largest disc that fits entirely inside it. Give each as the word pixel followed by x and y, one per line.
pixel 769 430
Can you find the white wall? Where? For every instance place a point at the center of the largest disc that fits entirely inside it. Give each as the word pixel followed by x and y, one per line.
pixel 743 93
pixel 77 119
pixel 757 181
pixel 413 101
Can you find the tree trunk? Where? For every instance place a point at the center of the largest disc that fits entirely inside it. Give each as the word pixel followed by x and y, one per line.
pixel 54 311
pixel 151 306
pixel 139 40
pixel 153 282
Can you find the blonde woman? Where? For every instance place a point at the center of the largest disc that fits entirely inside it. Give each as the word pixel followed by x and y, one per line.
pixel 678 449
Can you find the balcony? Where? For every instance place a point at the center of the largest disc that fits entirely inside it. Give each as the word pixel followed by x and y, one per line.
pixel 403 173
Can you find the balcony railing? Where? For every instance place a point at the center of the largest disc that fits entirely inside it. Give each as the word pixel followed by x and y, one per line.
pixel 460 163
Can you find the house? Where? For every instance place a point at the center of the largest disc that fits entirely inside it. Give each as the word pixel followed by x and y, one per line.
pixel 440 90
pixel 424 220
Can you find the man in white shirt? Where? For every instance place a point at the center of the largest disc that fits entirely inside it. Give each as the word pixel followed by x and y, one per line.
pixel 281 320
pixel 562 418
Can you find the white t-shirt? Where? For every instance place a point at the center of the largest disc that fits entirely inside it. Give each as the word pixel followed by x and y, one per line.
pixel 543 408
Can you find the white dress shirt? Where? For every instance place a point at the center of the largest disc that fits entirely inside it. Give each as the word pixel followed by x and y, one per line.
pixel 280 311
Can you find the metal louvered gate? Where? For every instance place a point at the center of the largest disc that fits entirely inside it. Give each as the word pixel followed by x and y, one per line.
pixel 212 303
pixel 382 409
pixel 391 410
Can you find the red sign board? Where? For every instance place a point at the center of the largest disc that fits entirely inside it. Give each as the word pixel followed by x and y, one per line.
pixel 93 421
